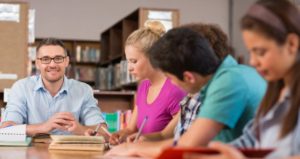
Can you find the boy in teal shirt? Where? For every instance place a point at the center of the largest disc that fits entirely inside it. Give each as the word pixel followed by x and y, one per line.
pixel 231 97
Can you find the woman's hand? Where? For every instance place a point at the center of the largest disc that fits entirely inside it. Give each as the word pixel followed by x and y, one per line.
pixel 132 137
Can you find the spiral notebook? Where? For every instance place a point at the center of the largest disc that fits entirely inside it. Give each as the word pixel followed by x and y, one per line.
pixel 14 136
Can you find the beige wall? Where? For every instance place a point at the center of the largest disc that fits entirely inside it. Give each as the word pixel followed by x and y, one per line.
pixel 239 9
pixel 86 19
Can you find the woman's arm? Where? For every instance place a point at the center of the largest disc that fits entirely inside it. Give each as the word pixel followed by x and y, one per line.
pixel 120 136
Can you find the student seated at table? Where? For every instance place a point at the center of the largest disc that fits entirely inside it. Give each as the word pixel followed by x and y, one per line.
pixel 157 98
pixel 50 102
pixel 228 93
pixel 271 32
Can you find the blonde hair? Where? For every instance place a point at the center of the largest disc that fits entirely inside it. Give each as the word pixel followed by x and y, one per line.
pixel 145 37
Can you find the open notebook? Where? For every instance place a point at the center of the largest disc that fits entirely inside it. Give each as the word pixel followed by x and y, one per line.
pixel 14 136
pixel 76 142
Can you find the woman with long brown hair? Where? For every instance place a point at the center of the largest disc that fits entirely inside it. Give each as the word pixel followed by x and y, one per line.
pixel 271 32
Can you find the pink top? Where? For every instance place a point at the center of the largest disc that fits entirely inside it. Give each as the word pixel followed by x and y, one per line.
pixel 161 110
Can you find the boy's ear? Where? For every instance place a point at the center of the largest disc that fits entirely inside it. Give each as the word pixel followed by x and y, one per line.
pixel 293 43
pixel 189 77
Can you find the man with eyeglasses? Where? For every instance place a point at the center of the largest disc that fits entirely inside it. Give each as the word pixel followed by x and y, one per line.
pixel 50 102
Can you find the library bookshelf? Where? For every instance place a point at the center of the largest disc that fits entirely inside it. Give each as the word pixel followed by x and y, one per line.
pixel 113 65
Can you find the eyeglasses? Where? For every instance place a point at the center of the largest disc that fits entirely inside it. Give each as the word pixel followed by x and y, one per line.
pixel 56 59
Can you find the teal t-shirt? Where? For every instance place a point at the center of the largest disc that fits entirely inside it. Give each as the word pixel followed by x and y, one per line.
pixel 231 97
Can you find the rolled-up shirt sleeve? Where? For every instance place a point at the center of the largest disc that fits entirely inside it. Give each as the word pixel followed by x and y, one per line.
pixel 16 108
pixel 91 113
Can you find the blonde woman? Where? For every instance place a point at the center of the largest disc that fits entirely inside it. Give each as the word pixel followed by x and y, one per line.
pixel 157 98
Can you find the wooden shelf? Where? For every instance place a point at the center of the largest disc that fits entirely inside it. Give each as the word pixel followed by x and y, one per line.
pixel 85 63
pixel 115 93
pixel 87 81
pixel 105 63
pixel 127 86
pixel 131 26
pixel 110 101
pixel 105 47
pixel 116 48
pixel 115 57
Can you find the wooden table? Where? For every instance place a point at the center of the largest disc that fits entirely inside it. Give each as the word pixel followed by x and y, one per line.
pixel 40 151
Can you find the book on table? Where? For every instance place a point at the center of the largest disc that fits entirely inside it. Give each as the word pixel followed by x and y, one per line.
pixel 77 142
pixel 14 136
pixel 41 138
pixel 178 152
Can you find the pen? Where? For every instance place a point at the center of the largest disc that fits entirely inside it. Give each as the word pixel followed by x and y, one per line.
pixel 97 130
pixel 106 131
pixel 141 128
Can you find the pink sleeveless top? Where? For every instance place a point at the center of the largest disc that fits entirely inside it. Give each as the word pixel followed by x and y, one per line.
pixel 161 110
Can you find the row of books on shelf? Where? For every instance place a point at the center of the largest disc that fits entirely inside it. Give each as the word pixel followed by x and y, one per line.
pixel 82 54
pixel 105 78
pixel 117 120
pixel 87 54
pixel 85 73
pixel 114 76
